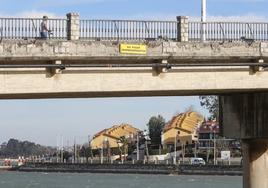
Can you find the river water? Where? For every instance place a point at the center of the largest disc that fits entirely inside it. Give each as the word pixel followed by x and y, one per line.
pixel 73 180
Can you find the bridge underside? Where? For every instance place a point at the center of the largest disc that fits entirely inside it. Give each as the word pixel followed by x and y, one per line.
pixel 122 82
pixel 77 69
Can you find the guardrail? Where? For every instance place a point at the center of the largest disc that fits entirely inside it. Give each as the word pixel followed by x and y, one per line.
pixel 153 30
pixel 29 28
pixel 127 30
pixel 228 31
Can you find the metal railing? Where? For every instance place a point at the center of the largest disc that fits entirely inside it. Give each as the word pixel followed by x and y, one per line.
pixel 228 31
pixel 29 28
pixel 115 30
pixel 127 30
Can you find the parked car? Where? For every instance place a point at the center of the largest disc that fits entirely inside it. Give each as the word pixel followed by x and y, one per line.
pixel 197 161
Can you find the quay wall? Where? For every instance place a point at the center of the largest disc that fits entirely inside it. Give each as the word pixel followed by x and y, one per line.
pixel 133 169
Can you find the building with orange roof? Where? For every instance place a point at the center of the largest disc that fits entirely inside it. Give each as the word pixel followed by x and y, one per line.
pixel 182 128
pixel 112 135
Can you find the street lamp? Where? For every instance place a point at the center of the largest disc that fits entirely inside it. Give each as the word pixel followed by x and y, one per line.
pixel 212 133
pixel 175 148
pixel 137 147
pixel 203 19
pixel 214 144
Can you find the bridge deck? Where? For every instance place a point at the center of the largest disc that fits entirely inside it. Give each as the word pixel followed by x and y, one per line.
pixel 232 75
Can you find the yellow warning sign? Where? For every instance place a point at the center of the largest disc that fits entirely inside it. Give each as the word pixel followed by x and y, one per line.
pixel 133 49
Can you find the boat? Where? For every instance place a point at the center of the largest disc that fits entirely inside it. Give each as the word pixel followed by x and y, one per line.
pixel 11 164
pixel 5 168
pixel 8 168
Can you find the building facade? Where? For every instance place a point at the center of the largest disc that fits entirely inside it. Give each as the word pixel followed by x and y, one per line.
pixel 111 136
pixel 181 129
pixel 207 132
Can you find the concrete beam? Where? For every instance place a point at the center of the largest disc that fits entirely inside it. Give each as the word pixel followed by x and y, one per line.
pixel 110 82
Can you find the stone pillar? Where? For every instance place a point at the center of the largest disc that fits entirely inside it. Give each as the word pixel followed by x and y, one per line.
pixel 73 26
pixel 182 29
pixel 244 116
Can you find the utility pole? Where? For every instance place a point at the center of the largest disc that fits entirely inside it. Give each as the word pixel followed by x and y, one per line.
pixel 102 152
pixel 57 149
pixel 138 149
pixel 214 148
pixel 203 20
pixel 175 150
pixel 183 152
pixel 74 150
pixel 62 148
pixel 195 148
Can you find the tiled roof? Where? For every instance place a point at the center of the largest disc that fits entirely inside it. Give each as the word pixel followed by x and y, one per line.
pixel 184 121
pixel 113 131
pixel 209 127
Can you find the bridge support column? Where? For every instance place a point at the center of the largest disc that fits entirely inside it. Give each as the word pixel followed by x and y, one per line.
pixel 255 163
pixel 244 116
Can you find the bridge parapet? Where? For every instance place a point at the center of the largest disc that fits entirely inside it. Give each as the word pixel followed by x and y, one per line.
pixel 175 52
pixel 182 30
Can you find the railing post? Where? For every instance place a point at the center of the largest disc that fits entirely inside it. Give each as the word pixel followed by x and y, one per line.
pixel 73 26
pixel 182 28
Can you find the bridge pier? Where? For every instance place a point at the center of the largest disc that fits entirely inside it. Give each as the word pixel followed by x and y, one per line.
pixel 244 116
pixel 255 163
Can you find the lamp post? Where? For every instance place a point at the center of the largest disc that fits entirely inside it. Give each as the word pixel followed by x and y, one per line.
pixel 102 153
pixel 138 149
pixel 214 148
pixel 175 148
pixel 203 20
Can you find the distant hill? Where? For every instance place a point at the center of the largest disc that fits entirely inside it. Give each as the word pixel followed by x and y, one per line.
pixel 15 148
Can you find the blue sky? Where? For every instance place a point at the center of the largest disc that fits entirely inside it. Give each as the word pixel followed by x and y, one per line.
pixel 43 120
pixel 153 9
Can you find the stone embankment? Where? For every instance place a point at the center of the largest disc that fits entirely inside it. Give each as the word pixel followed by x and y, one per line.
pixel 133 169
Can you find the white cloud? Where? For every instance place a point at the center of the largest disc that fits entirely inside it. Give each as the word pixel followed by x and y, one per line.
pixel 244 1
pixel 172 17
pixel 237 18
pixel 67 3
pixel 32 14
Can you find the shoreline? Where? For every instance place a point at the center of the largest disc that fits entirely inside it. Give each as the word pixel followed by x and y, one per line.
pixel 153 169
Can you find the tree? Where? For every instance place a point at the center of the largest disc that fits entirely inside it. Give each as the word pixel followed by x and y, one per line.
pixel 211 103
pixel 155 127
pixel 15 148
pixel 66 155
pixel 124 144
pixel 85 151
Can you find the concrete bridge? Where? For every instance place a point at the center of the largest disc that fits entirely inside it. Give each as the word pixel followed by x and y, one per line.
pixel 115 58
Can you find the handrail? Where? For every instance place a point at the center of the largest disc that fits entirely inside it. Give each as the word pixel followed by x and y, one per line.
pixel 127 29
pixel 139 30
pixel 29 28
pixel 231 31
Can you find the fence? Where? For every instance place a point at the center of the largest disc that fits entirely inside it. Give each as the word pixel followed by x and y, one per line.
pixel 127 30
pixel 230 31
pixel 28 28
pixel 115 30
pixel 153 30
